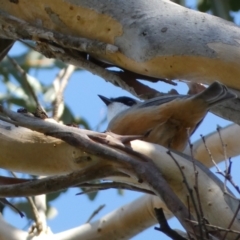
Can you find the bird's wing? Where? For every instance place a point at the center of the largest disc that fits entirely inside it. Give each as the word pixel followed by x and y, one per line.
pixel 135 122
pixel 159 100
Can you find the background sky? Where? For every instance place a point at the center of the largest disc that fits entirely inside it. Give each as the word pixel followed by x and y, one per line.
pixel 81 95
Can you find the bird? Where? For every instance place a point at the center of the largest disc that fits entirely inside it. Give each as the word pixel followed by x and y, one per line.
pixel 166 120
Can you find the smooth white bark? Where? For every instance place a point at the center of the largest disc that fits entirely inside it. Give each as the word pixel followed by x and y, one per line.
pixel 23 150
pixel 122 223
pixel 213 200
pixel 156 37
pixel 8 232
pixel 230 136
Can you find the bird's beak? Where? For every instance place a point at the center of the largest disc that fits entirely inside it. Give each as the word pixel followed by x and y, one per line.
pixel 107 101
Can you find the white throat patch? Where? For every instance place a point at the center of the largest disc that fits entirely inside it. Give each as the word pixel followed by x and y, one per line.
pixel 114 109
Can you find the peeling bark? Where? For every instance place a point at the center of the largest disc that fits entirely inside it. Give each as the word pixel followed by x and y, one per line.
pixel 156 38
pixel 213 199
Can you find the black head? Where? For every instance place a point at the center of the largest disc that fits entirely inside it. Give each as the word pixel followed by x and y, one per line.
pixel 125 100
pixel 107 101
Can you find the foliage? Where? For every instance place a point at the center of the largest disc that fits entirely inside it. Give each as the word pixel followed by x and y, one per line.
pixel 15 93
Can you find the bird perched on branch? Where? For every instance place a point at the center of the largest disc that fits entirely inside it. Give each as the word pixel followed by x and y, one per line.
pixel 167 120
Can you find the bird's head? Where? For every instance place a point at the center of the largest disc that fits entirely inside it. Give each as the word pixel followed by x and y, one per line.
pixel 117 105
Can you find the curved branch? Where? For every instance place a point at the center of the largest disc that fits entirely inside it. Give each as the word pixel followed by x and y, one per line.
pixel 118 223
pixel 145 171
pixel 230 136
pixel 150 42
pixel 146 174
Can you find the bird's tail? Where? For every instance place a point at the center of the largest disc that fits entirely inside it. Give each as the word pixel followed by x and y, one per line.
pixel 215 94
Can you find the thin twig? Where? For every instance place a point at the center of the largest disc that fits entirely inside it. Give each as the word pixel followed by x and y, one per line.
pixel 25 78
pixel 231 223
pixel 230 178
pixel 209 153
pixel 61 81
pixel 57 183
pixel 225 155
pixel 189 216
pixel 34 210
pixel 77 60
pixel 40 202
pixel 214 227
pixel 226 175
pixel 91 187
pixel 39 108
pixel 95 213
pixel 164 227
pixel 4 201
pixel 196 187
pixel 188 188
pixel 219 171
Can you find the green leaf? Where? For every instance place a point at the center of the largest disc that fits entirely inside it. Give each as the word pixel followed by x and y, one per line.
pixel 49 94
pixel 55 195
pixel 52 212
pixel 204 5
pixel 120 192
pixel 16 90
pixel 234 5
pixel 82 122
pixel 92 195
pixel 69 118
pixel 60 64
pixel 25 207
pixel 16 101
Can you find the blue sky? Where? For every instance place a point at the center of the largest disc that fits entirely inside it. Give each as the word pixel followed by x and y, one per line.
pixel 81 95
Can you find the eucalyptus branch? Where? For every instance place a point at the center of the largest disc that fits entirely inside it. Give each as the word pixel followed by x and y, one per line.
pixel 227 174
pixel 95 213
pixel 50 41
pixel 217 228
pixel 41 223
pixel 225 156
pixel 91 187
pixel 11 25
pixel 79 61
pixel 5 46
pixel 231 223
pixel 112 155
pixel 61 82
pixel 164 227
pixel 210 154
pixel 145 171
pixel 190 191
pixel 25 78
pixel 34 209
pixel 196 188
pixel 56 183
